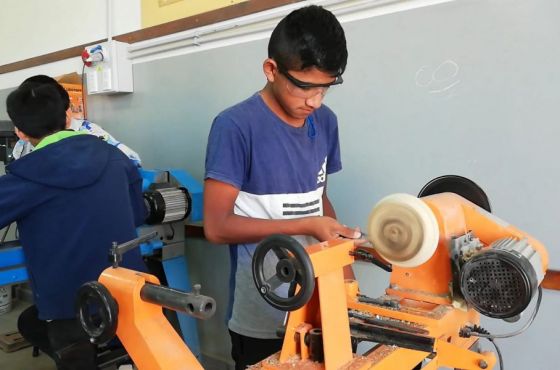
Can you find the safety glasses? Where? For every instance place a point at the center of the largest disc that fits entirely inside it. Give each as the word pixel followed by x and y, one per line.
pixel 307 90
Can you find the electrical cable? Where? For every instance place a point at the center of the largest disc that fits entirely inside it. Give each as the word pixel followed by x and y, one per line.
pixel 83 89
pixel 479 331
pixel 170 237
pixel 500 359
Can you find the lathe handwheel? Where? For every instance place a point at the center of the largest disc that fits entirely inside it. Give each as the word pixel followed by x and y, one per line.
pixel 97 311
pixel 293 266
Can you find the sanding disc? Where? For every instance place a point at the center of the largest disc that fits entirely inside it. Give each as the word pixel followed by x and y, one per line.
pixel 403 229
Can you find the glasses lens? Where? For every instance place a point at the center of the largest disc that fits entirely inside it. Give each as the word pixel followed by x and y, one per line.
pixel 306 92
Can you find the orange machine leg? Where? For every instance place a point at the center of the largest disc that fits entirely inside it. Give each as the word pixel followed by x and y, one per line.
pixel 150 340
pixel 334 320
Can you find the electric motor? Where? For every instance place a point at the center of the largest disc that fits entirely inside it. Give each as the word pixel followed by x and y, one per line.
pixel 500 281
pixel 167 204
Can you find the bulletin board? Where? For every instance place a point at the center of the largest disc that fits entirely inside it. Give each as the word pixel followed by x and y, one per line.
pixel 156 12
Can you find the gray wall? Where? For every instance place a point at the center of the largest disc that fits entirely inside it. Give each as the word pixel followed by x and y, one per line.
pixel 468 88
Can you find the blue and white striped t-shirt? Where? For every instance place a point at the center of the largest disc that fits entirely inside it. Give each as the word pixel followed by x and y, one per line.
pixel 280 171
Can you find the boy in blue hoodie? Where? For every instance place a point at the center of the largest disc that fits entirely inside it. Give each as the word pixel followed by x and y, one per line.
pixel 71 197
pixel 23 147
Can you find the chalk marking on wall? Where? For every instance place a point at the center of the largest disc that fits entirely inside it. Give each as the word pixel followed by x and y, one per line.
pixel 438 80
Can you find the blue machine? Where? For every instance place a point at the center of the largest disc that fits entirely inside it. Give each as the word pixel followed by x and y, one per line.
pixel 171 197
pixel 12 269
pixel 12 264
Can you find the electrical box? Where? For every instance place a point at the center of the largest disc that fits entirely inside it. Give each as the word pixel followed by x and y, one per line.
pixel 108 68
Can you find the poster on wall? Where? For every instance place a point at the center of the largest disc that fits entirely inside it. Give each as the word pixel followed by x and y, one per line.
pixel 72 83
pixel 156 12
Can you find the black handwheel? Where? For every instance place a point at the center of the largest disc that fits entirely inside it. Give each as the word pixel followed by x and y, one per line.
pixel 293 266
pixel 97 311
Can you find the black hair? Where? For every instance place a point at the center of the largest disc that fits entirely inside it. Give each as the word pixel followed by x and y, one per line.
pixel 309 37
pixel 39 80
pixel 37 111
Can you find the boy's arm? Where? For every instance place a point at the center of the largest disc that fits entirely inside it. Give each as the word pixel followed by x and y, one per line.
pixel 21 148
pixel 328 209
pixel 19 198
pixel 223 226
pixel 96 130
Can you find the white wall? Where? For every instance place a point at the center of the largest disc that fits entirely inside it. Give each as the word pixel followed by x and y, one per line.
pixel 31 28
pixel 67 23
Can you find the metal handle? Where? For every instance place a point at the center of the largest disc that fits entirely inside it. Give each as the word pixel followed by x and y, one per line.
pixel 117 250
pixel 193 304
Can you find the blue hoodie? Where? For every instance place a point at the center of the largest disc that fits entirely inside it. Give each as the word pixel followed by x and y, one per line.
pixel 71 200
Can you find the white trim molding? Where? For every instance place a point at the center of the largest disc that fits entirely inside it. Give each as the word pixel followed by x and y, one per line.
pixel 231 32
pixel 259 26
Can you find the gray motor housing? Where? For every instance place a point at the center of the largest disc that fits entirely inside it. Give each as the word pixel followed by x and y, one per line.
pixel 501 280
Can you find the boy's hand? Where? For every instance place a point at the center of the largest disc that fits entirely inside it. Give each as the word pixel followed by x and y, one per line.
pixel 326 228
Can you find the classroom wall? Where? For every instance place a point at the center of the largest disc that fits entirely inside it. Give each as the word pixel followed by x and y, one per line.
pixel 467 88
pixel 30 28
